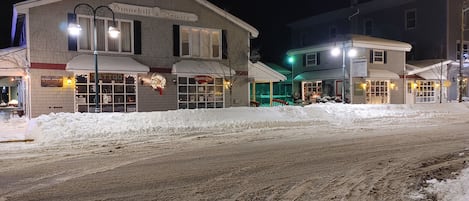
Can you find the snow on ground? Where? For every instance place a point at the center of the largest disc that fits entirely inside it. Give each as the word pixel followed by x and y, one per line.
pixel 87 128
pixel 122 127
pixel 451 189
pixel 12 128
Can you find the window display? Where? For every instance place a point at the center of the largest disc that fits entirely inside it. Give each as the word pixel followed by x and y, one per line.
pixel 194 94
pixel 118 92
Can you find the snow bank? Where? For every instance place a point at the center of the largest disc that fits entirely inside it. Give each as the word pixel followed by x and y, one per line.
pixel 453 189
pixel 62 127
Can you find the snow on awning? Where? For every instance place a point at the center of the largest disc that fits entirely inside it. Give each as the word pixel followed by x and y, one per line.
pixel 429 69
pixel 263 73
pixel 12 71
pixel 196 67
pixel 13 61
pixel 330 74
pixel 381 74
pixel 106 64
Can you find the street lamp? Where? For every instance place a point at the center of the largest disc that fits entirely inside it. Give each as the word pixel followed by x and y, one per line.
pixel 74 29
pixel 291 61
pixel 351 53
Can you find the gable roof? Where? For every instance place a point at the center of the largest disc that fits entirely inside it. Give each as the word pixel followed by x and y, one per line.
pixel 360 41
pixel 281 69
pixel 25 5
pixel 415 67
pixel 232 18
pixel 263 73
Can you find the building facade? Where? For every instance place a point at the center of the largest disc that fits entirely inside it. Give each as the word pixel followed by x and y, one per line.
pixel 170 54
pixel 433 28
pixel 364 70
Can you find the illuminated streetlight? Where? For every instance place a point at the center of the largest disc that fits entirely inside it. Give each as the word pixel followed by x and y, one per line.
pixel 335 51
pixel 291 61
pixel 352 52
pixel 75 29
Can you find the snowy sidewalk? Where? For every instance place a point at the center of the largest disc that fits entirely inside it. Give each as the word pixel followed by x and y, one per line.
pixel 13 129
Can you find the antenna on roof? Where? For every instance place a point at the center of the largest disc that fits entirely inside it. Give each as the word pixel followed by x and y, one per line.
pixel 356 13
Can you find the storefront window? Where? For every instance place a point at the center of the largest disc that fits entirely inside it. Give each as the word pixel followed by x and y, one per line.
pixel 200 92
pixel 117 92
pixel 312 90
pixel 425 92
pixel 377 92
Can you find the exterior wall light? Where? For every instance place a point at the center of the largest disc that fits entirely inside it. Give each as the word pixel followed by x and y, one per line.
pixel 69 80
pixel 363 85
pixel 392 85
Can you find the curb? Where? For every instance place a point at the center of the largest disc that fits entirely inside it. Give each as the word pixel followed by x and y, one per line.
pixel 11 141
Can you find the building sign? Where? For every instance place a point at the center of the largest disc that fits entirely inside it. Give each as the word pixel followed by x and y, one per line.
pixel 359 67
pixel 51 81
pixel 152 12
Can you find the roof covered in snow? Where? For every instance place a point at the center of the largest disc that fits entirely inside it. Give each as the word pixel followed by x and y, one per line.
pixel 359 41
pixel 85 63
pixel 12 59
pixel 263 73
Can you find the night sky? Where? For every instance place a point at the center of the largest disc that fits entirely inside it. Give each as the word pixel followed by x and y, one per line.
pixel 267 16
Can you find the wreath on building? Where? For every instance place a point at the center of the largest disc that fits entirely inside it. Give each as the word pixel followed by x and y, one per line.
pixel 158 82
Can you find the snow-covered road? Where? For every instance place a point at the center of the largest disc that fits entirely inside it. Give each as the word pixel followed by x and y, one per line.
pixel 322 152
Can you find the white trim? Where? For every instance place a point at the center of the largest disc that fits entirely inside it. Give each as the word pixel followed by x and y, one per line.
pixel 311 64
pixel 380 74
pixel 319 75
pixel 254 32
pixel 106 21
pixel 108 64
pixel 372 97
pixel 374 61
pixel 358 41
pixel 23 6
pixel 130 9
pixel 210 45
pixel 89 84
pixel 188 68
pixel 263 73
pixel 418 69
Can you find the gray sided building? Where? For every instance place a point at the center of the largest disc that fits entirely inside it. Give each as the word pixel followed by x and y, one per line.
pixel 170 54
pixel 364 70
pixel 433 28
